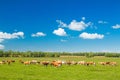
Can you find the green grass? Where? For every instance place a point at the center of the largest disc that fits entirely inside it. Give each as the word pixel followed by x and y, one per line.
pixel 18 71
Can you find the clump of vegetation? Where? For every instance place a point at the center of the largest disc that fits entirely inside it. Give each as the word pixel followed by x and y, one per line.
pixel 11 53
pixel 89 55
pixel 112 55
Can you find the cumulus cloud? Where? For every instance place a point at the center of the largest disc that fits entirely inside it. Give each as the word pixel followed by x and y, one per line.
pixel 60 32
pixel 38 34
pixel 102 22
pixel 4 35
pixel 75 25
pixel 7 36
pixel 78 26
pixel 2 46
pixel 117 26
pixel 86 35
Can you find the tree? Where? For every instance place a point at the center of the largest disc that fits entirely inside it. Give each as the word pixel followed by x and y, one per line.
pixel 89 55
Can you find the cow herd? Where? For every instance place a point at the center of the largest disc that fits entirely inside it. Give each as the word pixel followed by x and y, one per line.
pixel 57 63
pixel 7 62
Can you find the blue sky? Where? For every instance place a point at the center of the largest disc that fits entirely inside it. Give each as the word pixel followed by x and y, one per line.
pixel 60 25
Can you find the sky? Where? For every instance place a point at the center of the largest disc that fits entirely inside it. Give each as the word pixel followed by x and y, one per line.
pixel 60 25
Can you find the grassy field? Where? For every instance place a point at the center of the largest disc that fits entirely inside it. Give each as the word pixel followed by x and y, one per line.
pixel 18 71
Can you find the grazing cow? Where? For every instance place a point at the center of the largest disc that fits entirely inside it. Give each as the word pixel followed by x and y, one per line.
pixel 33 62
pixel 108 63
pixel 82 62
pixel 38 62
pixel 26 62
pixel 1 62
pixel 113 63
pixel 90 63
pixel 9 62
pixel 45 63
pixel 59 62
pixel 56 63
pixel 12 60
pixel 102 63
pixel 63 62
pixel 73 63
pixel 69 63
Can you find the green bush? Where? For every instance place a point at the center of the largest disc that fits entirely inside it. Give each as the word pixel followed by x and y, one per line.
pixel 89 55
pixel 112 55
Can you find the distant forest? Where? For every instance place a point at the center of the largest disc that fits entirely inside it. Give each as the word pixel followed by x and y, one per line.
pixel 11 53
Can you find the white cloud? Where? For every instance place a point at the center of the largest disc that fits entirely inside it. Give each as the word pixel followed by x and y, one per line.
pixel 18 35
pixel 4 35
pixel 1 40
pixel 2 46
pixel 61 24
pixel 60 32
pixel 85 35
pixel 102 22
pixel 75 25
pixel 78 26
pixel 117 26
pixel 62 40
pixel 38 34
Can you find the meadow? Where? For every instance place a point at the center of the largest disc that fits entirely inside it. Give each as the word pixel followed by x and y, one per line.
pixel 18 71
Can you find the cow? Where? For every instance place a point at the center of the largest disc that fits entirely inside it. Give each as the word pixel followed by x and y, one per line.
pixel 81 62
pixel 26 62
pixel 68 62
pixel 102 63
pixel 9 62
pixel 113 63
pixel 45 63
pixel 33 62
pixel 1 62
pixel 56 63
pixel 4 62
pixel 13 61
pixel 108 63
pixel 90 63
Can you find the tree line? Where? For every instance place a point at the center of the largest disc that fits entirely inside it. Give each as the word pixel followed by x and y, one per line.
pixel 11 53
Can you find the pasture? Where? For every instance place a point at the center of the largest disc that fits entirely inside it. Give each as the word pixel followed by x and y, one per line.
pixel 19 71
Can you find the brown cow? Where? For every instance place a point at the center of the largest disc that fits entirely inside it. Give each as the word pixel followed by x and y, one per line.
pixel 45 63
pixel 108 63
pixel 13 61
pixel 56 63
pixel 90 63
pixel 9 62
pixel 68 62
pixel 26 62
